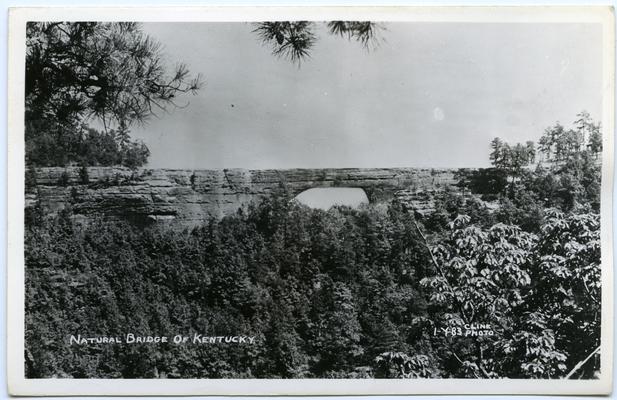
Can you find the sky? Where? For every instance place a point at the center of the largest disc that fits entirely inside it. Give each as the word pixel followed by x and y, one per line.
pixel 430 95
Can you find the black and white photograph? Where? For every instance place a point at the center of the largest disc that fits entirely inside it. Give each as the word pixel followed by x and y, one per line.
pixel 307 199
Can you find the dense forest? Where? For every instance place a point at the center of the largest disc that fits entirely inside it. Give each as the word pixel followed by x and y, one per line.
pixel 375 292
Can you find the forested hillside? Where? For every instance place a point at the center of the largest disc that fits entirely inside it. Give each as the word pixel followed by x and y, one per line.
pixel 377 292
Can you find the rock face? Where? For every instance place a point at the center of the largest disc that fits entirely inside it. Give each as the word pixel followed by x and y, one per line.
pixel 188 197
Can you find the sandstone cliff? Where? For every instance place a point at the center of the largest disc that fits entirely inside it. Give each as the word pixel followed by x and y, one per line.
pixel 188 197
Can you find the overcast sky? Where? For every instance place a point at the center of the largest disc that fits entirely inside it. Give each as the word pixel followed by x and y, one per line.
pixel 431 95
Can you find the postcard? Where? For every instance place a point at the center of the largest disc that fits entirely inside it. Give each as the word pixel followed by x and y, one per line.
pixel 310 200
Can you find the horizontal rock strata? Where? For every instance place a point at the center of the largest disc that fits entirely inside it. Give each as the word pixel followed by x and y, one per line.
pixel 189 197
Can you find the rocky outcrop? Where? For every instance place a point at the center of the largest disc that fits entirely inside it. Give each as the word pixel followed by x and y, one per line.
pixel 189 197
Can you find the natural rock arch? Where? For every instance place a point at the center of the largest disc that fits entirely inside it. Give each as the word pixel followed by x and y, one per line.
pixel 188 197
pixel 326 197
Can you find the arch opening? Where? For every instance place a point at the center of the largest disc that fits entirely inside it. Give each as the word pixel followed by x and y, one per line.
pixel 324 198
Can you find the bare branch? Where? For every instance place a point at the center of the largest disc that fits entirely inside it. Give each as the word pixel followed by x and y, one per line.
pixel 580 364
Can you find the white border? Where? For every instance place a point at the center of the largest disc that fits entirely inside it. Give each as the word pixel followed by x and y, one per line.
pixel 18 385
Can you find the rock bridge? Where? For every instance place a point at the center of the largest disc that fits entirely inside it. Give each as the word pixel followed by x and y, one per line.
pixel 189 197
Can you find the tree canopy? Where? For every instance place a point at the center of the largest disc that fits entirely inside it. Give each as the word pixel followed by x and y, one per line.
pixel 81 72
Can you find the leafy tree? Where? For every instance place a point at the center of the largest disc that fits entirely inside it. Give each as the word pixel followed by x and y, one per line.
pixel 568 176
pixel 399 365
pixel 591 132
pixel 499 153
pixel 512 159
pixel 560 144
pixel 567 283
pixel 541 302
pixel 479 276
pixel 573 161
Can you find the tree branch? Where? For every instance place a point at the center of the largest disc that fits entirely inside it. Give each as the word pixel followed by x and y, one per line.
pixel 580 364
pixel 443 275
pixel 589 292
pixel 460 306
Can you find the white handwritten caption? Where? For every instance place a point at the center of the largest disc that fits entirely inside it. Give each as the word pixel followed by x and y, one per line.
pixel 466 330
pixel 131 338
